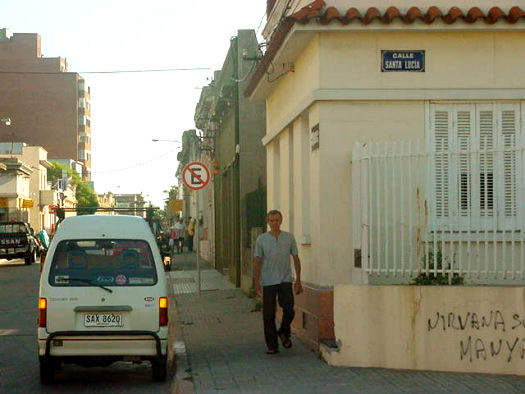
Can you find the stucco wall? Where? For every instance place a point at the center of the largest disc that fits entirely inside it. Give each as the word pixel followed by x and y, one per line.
pixel 292 87
pixel 471 329
pixel 493 60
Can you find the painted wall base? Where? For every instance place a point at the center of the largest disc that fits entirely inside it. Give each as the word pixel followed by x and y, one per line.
pixel 314 314
pixel 458 328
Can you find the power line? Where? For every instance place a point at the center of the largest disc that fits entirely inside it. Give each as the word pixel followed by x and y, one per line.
pixel 110 71
pixel 135 165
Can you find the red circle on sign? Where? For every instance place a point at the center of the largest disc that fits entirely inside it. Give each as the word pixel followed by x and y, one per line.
pixel 203 182
pixel 121 280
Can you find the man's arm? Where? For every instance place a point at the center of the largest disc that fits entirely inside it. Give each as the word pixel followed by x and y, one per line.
pixel 298 287
pixel 257 268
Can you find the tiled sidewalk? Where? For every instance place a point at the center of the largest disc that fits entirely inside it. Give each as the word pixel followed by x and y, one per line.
pixel 221 349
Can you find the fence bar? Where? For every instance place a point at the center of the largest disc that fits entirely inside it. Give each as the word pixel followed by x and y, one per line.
pixel 521 215
pixel 394 210
pixel 410 209
pixel 378 204
pixel 486 207
pixel 365 203
pixel 386 206
pixel 402 180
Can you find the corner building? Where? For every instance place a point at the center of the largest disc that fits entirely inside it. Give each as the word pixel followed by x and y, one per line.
pixel 48 106
pixel 338 74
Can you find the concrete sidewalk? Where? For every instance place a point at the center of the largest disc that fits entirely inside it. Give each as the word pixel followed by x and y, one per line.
pixel 221 349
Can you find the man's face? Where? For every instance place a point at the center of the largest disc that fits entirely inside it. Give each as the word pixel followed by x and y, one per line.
pixel 274 221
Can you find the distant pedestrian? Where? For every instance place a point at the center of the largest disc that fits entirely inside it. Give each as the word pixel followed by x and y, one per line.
pixel 191 232
pixel 272 260
pixel 180 230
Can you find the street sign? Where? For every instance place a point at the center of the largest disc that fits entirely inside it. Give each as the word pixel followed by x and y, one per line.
pixel 196 175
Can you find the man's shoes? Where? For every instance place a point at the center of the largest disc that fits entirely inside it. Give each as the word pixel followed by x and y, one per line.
pixel 272 351
pixel 287 343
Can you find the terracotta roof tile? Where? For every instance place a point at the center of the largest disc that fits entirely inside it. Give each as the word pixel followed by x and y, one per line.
pixel 314 13
pixel 311 11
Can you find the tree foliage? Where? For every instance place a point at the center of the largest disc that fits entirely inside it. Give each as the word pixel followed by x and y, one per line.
pixel 87 201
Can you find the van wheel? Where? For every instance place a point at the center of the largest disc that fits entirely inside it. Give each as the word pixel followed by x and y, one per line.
pixel 47 371
pixel 159 368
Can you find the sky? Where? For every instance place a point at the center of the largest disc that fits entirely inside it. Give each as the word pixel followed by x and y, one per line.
pixel 128 110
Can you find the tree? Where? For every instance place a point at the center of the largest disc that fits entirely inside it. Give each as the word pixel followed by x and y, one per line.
pixel 87 201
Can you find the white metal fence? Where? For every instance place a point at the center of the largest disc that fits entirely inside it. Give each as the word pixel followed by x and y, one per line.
pixel 439 210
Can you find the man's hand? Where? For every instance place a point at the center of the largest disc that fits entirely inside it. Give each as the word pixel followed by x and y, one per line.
pixel 298 287
pixel 258 289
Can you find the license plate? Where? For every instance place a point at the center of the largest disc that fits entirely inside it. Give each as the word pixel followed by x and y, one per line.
pixel 103 320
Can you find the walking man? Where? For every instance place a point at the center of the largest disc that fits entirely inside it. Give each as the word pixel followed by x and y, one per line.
pixel 272 260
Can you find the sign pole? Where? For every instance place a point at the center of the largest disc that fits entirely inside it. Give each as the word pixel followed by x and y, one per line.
pixel 196 236
pixel 196 176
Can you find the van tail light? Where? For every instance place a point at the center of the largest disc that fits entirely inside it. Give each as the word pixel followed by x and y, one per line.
pixel 42 312
pixel 163 311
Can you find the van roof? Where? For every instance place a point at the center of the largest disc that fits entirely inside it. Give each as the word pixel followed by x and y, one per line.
pixel 103 226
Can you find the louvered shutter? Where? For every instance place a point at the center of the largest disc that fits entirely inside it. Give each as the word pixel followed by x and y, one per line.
pixel 441 125
pixel 486 139
pixel 508 126
pixel 462 133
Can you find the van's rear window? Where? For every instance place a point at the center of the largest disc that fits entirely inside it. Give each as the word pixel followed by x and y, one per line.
pixel 108 262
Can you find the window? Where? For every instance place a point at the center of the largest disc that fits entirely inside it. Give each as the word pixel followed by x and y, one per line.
pixel 111 262
pixel 476 153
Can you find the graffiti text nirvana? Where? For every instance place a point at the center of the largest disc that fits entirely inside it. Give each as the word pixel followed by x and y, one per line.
pixel 475 348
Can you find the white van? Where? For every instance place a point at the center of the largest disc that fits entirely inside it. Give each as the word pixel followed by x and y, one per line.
pixel 103 296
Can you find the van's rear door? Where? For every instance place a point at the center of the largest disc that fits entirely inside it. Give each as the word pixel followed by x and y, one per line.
pixel 103 285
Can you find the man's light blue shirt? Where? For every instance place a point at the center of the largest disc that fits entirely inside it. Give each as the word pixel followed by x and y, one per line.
pixel 275 254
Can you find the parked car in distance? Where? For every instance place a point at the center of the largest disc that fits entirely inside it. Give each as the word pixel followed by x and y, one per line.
pixel 103 296
pixel 17 240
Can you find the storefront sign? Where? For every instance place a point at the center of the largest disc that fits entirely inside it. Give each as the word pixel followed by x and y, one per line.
pixel 27 204
pixel 176 205
pixel 403 61
pixel 4 202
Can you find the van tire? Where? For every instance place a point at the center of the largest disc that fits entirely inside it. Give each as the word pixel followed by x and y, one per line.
pixel 47 371
pixel 159 368
pixel 28 258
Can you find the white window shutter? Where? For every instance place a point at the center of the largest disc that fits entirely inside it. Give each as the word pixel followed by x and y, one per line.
pixel 464 129
pixel 508 126
pixel 441 125
pixel 487 126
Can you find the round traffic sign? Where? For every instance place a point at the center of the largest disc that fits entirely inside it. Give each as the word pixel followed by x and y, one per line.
pixel 196 175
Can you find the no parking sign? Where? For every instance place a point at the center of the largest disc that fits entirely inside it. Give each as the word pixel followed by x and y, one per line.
pixel 196 175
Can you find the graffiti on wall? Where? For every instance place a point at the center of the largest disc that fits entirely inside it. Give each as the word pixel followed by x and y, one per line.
pixel 506 332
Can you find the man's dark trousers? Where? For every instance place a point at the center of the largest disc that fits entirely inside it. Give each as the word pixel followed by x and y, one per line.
pixel 284 294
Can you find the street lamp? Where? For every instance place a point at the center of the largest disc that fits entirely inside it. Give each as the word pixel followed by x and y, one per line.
pixel 157 140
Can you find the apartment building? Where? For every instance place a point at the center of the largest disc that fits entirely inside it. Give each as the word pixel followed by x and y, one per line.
pixel 48 106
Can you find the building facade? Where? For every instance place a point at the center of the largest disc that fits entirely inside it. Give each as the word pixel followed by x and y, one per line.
pixel 48 106
pixel 106 203
pixel 40 194
pixel 15 201
pixel 233 127
pixel 130 204
pixel 438 75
